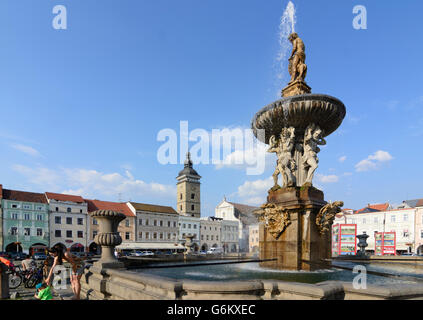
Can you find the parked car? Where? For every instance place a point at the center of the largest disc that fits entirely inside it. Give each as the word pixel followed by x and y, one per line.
pixel 202 252
pixel 215 250
pixel 409 254
pixel 148 253
pixel 137 254
pixel 39 256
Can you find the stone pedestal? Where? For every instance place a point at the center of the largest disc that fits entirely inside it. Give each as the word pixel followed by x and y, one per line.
pixel 296 88
pixel 301 241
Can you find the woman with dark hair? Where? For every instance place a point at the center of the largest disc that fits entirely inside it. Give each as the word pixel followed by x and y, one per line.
pixel 77 268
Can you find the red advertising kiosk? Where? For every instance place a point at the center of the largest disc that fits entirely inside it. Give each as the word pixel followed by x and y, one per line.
pixel 344 241
pixel 385 244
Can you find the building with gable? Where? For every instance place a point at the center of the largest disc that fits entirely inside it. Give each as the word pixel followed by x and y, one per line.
pixel 68 221
pixel 25 220
pixel 126 228
pixel 243 215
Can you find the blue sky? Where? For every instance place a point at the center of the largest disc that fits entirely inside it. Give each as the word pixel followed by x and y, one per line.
pixel 81 108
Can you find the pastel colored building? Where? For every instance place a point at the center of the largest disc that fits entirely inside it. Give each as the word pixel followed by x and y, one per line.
pixel 254 239
pixel 126 228
pixel 241 213
pixel 230 236
pixel 25 220
pixel 68 221
pixel 401 221
pixel 210 233
pixel 156 228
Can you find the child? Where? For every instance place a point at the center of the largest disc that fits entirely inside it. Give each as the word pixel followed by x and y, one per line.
pixel 44 292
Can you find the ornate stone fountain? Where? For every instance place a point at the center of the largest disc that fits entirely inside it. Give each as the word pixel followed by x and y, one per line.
pixel 296 218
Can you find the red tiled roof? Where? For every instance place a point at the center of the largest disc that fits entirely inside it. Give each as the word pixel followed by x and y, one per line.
pixel 419 203
pixel 152 208
pixel 94 205
pixel 378 207
pixel 381 207
pixel 23 196
pixel 64 197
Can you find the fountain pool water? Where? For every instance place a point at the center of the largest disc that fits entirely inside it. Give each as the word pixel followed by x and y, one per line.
pixel 252 271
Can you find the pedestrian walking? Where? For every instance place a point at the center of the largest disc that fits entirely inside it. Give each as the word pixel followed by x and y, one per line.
pixel 77 268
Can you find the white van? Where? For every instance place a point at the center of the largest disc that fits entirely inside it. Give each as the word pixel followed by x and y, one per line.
pixel 215 250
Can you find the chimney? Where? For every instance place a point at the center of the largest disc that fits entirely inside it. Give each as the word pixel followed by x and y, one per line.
pixel 1 191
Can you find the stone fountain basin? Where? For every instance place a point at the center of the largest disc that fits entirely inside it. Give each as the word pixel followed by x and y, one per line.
pixel 299 112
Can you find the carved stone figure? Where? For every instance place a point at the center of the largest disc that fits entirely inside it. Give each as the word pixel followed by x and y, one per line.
pixel 297 66
pixel 312 139
pixel 285 164
pixel 327 214
pixel 275 218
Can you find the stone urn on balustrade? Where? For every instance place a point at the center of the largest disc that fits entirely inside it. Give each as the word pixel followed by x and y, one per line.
pixel 108 237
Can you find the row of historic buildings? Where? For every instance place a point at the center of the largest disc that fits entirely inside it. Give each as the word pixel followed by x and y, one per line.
pixel 31 219
pixel 406 220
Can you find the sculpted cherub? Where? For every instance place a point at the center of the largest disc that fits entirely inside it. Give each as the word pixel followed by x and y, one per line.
pixel 285 165
pixel 312 139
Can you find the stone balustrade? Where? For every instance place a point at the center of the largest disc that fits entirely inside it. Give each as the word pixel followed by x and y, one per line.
pixel 121 284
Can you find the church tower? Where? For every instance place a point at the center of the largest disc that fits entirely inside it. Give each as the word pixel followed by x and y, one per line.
pixel 188 190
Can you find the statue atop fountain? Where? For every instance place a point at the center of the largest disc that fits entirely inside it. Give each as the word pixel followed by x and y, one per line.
pixel 297 68
pixel 296 218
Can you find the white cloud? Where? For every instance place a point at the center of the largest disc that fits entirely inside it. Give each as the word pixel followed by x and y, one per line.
pixel 373 161
pixel 254 192
pixel 327 179
pixel 99 185
pixel 381 156
pixel 40 176
pixel 26 149
pixel 342 159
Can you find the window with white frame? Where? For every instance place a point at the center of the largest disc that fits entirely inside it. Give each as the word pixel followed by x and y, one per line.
pixel 27 231
pixel 39 217
pixel 392 218
pixel 15 216
pixel 39 232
